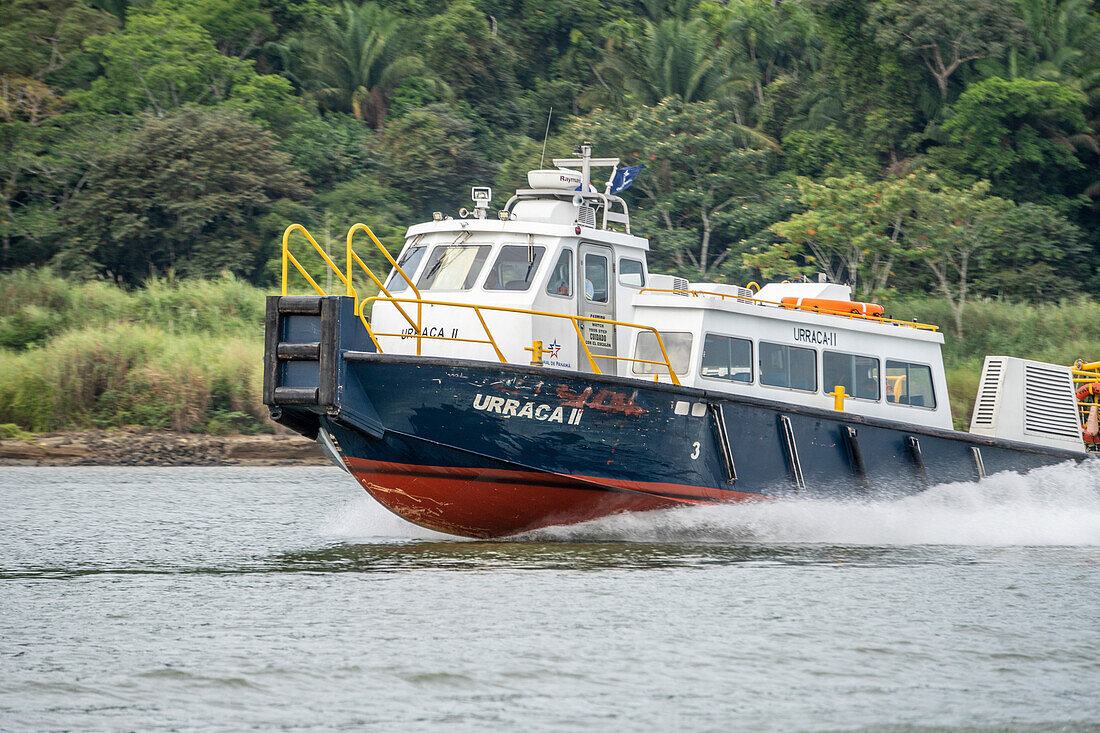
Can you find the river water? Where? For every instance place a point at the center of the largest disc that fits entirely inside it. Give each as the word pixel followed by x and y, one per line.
pixel 244 598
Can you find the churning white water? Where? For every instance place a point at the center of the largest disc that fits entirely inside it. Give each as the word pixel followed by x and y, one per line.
pixel 1058 505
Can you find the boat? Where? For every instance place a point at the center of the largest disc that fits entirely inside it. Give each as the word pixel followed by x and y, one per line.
pixel 524 368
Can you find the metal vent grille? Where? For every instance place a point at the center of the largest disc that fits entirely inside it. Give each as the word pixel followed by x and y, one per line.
pixel 744 295
pixel 680 284
pixel 1050 405
pixel 586 215
pixel 985 408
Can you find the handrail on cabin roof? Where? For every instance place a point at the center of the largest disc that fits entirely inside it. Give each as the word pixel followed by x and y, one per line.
pixel 788 306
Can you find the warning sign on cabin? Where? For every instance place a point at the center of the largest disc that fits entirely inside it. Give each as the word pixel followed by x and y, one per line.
pixel 599 335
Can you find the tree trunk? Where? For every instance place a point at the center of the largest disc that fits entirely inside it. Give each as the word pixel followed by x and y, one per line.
pixel 704 249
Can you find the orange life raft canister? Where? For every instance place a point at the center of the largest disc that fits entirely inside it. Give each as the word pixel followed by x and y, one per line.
pixel 835 306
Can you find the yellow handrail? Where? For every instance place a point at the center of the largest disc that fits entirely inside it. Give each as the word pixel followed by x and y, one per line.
pixel 288 258
pixel 575 320
pixel 353 257
pixel 808 308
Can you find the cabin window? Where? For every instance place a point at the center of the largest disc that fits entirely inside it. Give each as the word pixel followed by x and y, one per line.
pixel 725 357
pixel 515 267
pixel 631 273
pixel 408 262
pixel 858 375
pixel 595 278
pixel 677 345
pixel 909 384
pixel 453 267
pixel 561 277
pixel 788 366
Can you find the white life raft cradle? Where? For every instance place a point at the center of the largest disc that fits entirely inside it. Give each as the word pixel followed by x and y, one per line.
pixel 563 249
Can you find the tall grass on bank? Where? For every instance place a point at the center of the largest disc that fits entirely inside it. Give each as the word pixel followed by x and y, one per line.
pixel 1055 332
pixel 36 305
pixel 134 374
pixel 1059 333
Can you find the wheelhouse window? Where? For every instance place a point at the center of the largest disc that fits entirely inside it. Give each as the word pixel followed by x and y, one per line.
pixel 791 367
pixel 595 278
pixel 909 384
pixel 858 375
pixel 453 267
pixel 631 273
pixel 515 267
pixel 725 357
pixel 408 263
pixel 677 345
pixel 561 277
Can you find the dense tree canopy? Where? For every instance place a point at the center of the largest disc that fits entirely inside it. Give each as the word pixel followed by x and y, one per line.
pixel 179 196
pixel 908 145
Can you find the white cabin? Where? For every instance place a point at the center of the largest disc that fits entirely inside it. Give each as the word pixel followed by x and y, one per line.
pixel 556 249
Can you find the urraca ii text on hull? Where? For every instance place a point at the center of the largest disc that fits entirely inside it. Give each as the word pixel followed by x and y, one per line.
pixel 523 368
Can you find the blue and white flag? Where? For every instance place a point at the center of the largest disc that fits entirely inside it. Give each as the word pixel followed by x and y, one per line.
pixel 624 177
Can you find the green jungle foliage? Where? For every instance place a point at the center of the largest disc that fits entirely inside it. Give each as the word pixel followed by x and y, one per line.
pixel 949 150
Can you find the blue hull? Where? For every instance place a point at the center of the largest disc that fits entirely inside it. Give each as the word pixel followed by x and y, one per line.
pixel 483 449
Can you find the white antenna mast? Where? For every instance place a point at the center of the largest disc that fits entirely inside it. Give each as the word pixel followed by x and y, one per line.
pixel 544 136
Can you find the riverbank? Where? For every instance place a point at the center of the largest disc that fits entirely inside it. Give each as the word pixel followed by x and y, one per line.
pixel 144 447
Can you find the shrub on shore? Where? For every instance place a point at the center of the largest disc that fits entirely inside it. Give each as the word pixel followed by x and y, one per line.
pixel 134 374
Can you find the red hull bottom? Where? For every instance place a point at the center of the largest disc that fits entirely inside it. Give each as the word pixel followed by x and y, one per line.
pixel 483 503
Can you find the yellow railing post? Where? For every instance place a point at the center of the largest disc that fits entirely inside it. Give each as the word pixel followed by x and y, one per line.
pixel 285 254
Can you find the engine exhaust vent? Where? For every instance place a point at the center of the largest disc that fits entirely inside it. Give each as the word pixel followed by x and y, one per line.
pixel 1028 401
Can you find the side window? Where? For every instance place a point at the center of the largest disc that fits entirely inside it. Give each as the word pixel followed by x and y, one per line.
pixel 859 375
pixel 561 277
pixel 909 384
pixel 788 366
pixel 677 345
pixel 727 358
pixel 515 267
pixel 595 278
pixel 408 262
pixel 631 273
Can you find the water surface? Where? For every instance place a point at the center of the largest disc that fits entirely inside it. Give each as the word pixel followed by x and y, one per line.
pixel 244 598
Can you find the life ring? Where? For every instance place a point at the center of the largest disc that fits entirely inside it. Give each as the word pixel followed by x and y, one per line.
pixel 1092 388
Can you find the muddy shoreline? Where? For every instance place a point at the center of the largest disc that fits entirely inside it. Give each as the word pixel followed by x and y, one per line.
pixel 143 447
